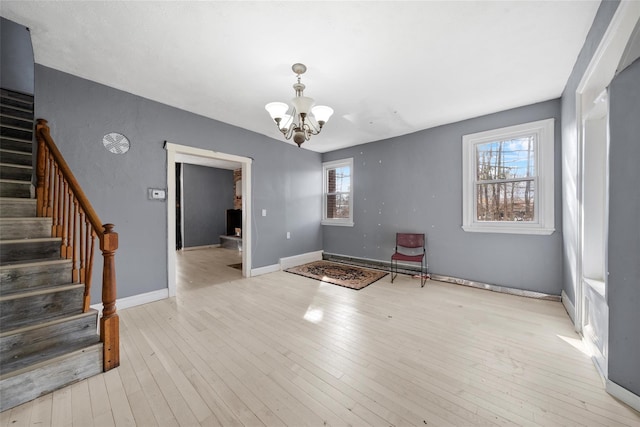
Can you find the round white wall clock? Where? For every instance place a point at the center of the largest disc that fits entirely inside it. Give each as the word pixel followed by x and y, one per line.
pixel 116 143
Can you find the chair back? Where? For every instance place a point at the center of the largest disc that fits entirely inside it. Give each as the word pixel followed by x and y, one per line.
pixel 409 240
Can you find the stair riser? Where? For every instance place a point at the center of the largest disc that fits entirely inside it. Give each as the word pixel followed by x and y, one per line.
pixel 17 208
pixel 28 250
pixel 24 348
pixel 33 228
pixel 16 173
pixel 13 189
pixel 18 312
pixel 12 144
pixel 26 278
pixel 29 385
pixel 6 93
pixel 24 159
pixel 12 102
pixel 16 133
pixel 26 124
pixel 16 112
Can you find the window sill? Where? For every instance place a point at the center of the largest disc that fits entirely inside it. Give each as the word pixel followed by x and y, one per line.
pixel 507 229
pixel 338 223
pixel 597 285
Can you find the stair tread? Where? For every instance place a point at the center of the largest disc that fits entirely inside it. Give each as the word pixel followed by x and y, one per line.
pixel 20 365
pixel 17 96
pixel 8 100
pixel 9 116
pixel 9 151
pixel 36 240
pixel 52 360
pixel 13 165
pixel 13 138
pixel 41 291
pixel 23 329
pixel 35 263
pixel 5 121
pixel 16 200
pixel 25 218
pixel 4 125
pixel 15 181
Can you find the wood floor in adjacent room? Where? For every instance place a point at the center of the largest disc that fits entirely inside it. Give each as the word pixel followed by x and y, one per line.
pixel 280 349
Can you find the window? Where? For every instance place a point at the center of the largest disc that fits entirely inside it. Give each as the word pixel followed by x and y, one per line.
pixel 507 182
pixel 337 203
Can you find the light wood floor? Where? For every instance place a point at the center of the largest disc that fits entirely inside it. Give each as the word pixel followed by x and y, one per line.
pixel 280 349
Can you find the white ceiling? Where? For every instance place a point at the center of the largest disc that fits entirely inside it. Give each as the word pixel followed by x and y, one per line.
pixel 388 68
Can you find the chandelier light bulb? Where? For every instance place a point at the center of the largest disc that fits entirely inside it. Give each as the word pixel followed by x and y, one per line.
pixel 277 110
pixel 322 113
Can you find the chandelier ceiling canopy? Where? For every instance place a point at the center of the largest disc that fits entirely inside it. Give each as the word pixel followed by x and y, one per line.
pixel 302 118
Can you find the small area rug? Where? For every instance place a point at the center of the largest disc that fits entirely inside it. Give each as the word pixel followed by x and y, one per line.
pixel 349 276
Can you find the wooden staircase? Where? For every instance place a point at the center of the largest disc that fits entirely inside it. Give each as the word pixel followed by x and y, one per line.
pixel 48 335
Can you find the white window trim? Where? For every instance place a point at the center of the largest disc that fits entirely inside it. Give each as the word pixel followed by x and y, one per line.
pixel 344 222
pixel 544 205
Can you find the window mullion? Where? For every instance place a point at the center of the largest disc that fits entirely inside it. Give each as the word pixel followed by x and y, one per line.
pixel 500 181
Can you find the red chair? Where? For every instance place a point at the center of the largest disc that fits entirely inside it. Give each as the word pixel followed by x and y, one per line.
pixel 410 247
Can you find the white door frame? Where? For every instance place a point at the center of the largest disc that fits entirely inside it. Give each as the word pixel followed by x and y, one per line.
pixel 175 150
pixel 596 79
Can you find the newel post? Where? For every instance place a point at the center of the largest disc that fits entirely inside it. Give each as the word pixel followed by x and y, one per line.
pixel 40 167
pixel 109 323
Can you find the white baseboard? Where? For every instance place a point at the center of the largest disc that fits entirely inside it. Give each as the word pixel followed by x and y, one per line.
pixel 623 394
pixel 296 260
pixel 264 270
pixel 134 300
pixel 568 306
pixel 195 248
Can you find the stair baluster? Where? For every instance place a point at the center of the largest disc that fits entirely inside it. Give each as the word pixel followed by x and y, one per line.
pixel 76 222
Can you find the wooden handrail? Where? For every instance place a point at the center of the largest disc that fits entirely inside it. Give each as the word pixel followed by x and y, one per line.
pixel 60 197
pixel 43 132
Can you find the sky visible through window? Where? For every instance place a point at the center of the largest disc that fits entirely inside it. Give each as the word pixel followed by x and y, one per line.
pixel 343 179
pixel 514 158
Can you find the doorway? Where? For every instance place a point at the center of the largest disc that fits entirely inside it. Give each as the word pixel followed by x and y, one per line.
pixel 197 156
pixel 179 228
pixel 592 119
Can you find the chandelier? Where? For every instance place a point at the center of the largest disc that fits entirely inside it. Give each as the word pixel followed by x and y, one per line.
pixel 302 119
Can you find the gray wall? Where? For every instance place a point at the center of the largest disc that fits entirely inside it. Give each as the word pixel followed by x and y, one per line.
pixel 570 200
pixel 16 57
pixel 207 193
pixel 414 183
pixel 286 180
pixel 624 233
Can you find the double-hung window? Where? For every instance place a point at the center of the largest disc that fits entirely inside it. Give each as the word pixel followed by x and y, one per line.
pixel 337 203
pixel 508 179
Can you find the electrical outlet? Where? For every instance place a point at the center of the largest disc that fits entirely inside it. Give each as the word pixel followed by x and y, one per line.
pixel 288 235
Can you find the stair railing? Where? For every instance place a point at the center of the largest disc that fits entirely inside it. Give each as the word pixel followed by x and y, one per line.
pixel 60 197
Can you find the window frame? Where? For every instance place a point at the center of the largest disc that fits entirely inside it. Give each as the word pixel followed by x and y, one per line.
pixel 326 166
pixel 544 224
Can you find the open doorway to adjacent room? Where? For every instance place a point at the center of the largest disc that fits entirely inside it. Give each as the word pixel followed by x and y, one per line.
pixel 209 228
